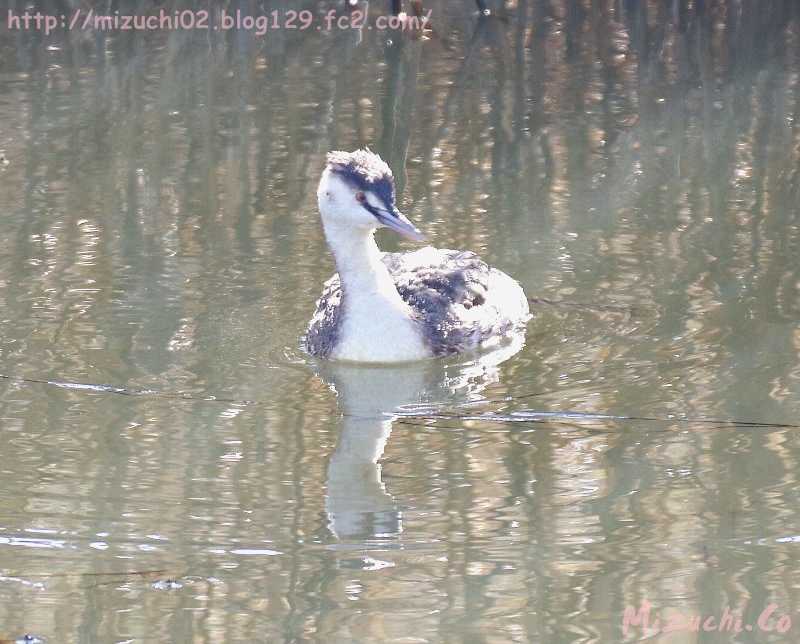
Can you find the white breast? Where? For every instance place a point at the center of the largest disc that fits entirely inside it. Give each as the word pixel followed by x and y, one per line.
pixel 377 327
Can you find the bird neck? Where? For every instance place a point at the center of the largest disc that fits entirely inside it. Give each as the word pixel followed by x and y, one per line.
pixel 362 273
pixel 378 325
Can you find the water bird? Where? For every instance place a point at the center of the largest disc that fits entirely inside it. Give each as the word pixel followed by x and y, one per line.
pixel 398 307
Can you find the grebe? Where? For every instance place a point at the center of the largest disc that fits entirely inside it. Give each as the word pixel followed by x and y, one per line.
pixel 397 307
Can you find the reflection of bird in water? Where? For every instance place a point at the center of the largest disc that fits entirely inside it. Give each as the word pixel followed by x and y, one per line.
pixel 394 307
pixel 356 501
pixel 370 397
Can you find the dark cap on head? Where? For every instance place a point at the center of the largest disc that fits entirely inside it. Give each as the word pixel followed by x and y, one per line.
pixel 366 171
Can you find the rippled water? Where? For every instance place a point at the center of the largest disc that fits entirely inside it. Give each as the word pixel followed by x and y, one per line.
pixel 636 165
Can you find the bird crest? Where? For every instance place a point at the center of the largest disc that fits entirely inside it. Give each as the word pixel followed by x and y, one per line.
pixel 365 170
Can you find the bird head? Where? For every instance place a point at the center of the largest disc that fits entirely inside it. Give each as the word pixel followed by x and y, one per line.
pixel 357 190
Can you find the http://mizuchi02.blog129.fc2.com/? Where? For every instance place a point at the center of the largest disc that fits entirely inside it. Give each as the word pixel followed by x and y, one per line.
pixel 216 20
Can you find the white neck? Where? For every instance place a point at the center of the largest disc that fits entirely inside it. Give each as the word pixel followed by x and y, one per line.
pixel 377 325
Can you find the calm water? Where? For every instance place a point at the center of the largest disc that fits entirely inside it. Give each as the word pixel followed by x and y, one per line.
pixel 160 235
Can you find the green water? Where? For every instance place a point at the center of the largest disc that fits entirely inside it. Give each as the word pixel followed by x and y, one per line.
pixel 636 162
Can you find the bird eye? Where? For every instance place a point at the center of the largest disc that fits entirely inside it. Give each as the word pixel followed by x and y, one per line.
pixel 361 197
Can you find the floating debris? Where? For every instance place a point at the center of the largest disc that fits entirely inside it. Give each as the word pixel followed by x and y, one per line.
pixel 29 639
pixel 167 584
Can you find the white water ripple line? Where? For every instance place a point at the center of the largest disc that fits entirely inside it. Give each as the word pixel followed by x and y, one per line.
pixel 28 542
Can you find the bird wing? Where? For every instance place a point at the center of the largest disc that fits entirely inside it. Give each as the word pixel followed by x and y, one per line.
pixel 323 329
pixel 459 300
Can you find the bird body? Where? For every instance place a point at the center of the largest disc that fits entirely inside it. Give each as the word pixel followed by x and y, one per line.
pixel 396 307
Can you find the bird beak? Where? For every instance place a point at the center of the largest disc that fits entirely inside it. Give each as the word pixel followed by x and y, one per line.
pixel 398 222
